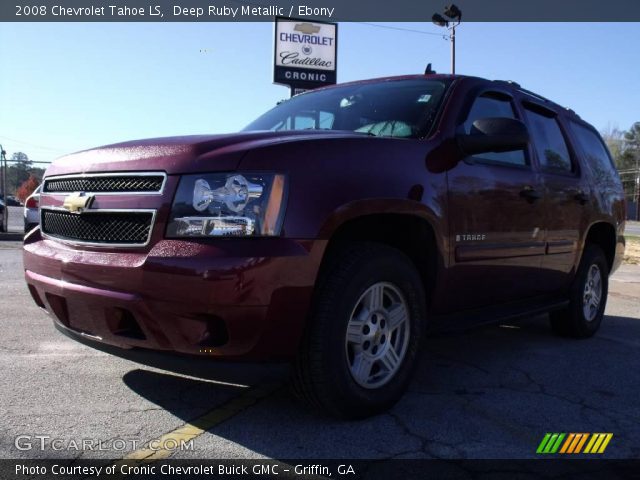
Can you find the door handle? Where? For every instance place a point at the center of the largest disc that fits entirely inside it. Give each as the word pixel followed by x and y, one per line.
pixel 530 194
pixel 581 197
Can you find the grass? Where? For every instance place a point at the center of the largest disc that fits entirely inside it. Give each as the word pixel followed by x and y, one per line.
pixel 632 251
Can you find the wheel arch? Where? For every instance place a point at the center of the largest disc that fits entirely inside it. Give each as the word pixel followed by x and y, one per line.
pixel 413 231
pixel 603 234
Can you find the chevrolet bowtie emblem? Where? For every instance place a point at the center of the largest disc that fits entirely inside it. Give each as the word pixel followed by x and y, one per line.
pixel 76 202
pixel 308 28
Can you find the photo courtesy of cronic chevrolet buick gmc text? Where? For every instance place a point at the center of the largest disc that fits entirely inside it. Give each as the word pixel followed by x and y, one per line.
pixel 334 231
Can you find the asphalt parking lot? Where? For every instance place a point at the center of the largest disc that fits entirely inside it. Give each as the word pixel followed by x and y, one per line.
pixel 492 392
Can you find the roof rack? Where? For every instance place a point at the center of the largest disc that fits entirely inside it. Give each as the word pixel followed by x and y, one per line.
pixel 511 83
pixel 508 82
pixel 534 95
pixel 546 100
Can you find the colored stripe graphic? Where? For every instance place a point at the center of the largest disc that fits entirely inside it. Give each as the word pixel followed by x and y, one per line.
pixel 567 443
pixel 550 443
pixel 581 443
pixel 543 443
pixel 574 443
pixel 598 442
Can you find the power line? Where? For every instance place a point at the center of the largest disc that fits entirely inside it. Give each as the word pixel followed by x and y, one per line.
pixel 28 161
pixel 402 29
pixel 31 144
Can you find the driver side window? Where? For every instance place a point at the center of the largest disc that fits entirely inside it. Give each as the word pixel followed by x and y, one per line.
pixel 487 105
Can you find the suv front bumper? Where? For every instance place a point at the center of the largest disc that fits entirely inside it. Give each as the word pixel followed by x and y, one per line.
pixel 234 298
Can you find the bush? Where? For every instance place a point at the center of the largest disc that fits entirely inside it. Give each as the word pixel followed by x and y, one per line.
pixel 27 188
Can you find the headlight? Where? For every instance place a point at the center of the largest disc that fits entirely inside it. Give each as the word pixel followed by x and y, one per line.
pixel 228 204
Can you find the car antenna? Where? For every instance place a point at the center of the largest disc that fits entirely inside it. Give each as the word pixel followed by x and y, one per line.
pixel 429 70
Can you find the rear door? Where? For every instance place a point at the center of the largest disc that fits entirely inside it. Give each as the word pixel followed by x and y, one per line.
pixel 566 193
pixel 496 218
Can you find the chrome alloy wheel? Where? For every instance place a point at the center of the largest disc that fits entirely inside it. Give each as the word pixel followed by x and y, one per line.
pixel 377 335
pixel 592 293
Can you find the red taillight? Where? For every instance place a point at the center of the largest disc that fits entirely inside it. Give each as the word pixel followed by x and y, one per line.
pixel 32 202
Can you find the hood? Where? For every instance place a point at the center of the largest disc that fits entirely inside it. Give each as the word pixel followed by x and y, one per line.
pixel 176 155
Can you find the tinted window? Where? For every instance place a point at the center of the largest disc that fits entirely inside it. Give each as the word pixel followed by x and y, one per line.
pixel 549 142
pixel 595 153
pixel 399 108
pixel 485 107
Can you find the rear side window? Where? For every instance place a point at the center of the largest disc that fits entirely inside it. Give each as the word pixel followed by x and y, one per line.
pixel 594 151
pixel 548 142
pixel 486 106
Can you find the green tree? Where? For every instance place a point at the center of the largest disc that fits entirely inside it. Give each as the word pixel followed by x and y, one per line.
pixel 625 150
pixel 19 168
pixel 22 158
pixel 630 164
pixel 614 138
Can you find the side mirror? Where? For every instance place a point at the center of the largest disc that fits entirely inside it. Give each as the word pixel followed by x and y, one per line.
pixel 494 135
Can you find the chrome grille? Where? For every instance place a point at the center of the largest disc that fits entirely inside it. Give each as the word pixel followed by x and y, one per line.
pixel 104 227
pixel 106 183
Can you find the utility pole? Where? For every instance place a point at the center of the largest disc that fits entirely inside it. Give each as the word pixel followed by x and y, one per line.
pixel 5 212
pixel 636 189
pixel 455 17
pixel 453 50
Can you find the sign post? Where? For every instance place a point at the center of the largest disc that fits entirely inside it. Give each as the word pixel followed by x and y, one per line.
pixel 305 54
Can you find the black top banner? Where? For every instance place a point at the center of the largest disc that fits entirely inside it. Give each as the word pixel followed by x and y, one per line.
pixel 328 10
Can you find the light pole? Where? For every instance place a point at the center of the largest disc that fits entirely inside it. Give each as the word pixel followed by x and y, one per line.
pixel 455 17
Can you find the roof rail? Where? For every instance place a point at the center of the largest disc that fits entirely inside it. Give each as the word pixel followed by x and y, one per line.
pixel 534 95
pixel 546 100
pixel 508 82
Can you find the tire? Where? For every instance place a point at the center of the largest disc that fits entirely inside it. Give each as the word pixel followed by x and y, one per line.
pixel 346 338
pixel 583 316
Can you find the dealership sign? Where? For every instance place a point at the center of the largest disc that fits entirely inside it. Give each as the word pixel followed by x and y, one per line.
pixel 305 53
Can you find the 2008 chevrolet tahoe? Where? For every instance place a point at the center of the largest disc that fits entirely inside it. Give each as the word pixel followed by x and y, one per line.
pixel 334 231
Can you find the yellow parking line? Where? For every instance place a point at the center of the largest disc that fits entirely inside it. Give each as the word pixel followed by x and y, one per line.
pixel 197 427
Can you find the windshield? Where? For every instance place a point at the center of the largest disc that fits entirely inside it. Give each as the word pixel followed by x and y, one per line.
pixel 394 108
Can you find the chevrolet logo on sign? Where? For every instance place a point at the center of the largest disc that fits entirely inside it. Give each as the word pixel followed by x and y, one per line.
pixel 307 28
pixel 77 202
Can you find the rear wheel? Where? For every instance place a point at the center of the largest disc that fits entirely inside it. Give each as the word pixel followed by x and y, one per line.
pixel 364 333
pixel 588 297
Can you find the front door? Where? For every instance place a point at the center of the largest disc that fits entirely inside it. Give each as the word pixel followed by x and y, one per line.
pixel 496 220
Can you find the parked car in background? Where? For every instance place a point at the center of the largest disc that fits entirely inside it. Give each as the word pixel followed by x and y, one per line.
pixel 336 230
pixel 32 210
pixel 13 201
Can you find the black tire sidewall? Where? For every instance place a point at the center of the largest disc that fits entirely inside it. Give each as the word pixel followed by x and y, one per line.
pixel 391 266
pixel 581 326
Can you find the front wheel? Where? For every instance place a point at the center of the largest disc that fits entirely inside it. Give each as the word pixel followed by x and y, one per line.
pixel 364 334
pixel 588 297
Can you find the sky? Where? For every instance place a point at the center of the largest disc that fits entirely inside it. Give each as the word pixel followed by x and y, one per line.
pixel 66 87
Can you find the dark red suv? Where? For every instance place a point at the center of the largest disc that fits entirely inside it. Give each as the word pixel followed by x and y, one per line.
pixel 335 230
